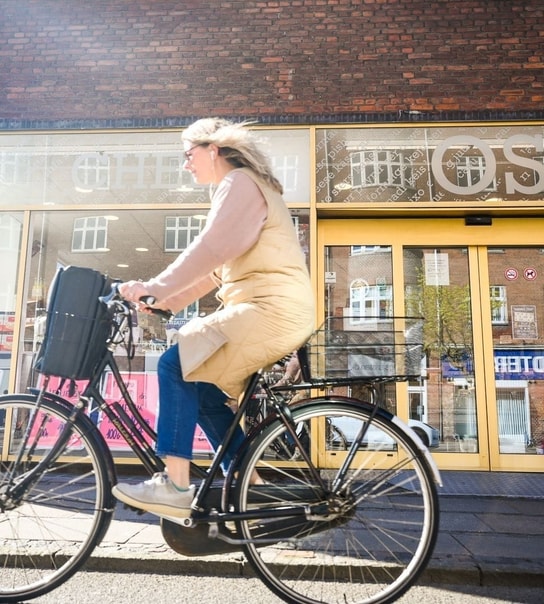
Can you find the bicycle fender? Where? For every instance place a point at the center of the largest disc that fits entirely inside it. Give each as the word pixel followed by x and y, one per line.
pixel 50 396
pixel 424 450
pixel 30 398
pixel 349 400
pixel 381 412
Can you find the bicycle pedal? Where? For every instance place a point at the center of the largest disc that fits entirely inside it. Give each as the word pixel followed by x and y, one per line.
pixel 131 508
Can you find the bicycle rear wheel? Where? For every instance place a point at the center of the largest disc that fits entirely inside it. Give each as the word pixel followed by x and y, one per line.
pixel 48 529
pixel 364 536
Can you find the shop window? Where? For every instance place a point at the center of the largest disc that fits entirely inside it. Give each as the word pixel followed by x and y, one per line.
pixel 471 171
pixel 375 168
pixel 90 234
pixel 14 168
pixel 10 242
pixel 10 232
pixel 179 231
pixel 499 307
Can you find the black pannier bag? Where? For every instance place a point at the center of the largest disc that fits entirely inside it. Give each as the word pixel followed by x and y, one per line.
pixel 77 325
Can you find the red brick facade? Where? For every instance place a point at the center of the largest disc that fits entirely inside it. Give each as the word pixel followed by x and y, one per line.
pixel 61 59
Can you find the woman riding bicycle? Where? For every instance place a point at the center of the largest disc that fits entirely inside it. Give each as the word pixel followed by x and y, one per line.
pixel 249 249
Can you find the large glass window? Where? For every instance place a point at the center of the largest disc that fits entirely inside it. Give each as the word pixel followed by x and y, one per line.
pixel 437 288
pixel 429 164
pixel 11 229
pixel 110 168
pixel 518 343
pixel 140 243
pixel 358 298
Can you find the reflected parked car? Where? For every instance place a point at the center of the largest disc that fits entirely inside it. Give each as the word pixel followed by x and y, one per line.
pixel 428 434
pixel 376 438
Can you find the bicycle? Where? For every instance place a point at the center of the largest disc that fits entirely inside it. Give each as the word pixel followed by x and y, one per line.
pixel 358 530
pixel 259 408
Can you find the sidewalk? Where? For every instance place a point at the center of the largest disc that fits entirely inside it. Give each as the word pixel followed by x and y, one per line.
pixel 491 533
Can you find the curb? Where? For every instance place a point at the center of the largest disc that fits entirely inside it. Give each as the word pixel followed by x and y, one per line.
pixel 450 570
pixel 468 572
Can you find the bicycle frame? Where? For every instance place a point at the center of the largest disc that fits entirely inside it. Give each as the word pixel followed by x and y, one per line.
pixel 137 433
pixel 133 427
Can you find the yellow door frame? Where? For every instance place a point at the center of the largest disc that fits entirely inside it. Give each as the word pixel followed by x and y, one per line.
pixel 446 232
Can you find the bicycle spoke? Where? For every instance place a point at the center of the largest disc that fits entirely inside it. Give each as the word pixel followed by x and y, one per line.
pixel 367 541
pixel 48 531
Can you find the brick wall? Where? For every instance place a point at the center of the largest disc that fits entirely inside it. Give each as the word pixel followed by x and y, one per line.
pixel 61 59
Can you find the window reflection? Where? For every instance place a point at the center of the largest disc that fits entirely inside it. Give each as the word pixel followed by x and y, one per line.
pixel 120 167
pixel 432 164
pixel 518 343
pixel 11 230
pixel 135 244
pixel 437 288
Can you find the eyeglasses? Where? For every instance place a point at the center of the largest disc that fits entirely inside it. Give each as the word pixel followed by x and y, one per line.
pixel 188 154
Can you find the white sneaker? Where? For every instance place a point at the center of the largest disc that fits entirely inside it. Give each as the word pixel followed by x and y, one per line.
pixel 157 495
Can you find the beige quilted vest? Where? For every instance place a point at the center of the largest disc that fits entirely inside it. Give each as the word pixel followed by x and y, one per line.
pixel 267 312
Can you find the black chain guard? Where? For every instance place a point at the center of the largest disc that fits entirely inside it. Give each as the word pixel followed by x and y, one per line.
pixel 194 541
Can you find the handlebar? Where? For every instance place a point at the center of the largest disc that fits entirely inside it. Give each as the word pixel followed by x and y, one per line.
pixel 114 298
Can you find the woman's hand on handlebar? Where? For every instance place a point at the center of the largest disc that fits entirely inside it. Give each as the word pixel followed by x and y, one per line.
pixel 136 292
pixel 133 291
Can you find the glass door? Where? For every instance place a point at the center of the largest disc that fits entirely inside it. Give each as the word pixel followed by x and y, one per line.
pixel 437 287
pixel 478 401
pixel 516 317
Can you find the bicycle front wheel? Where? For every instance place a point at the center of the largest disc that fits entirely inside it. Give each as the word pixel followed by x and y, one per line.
pixel 360 529
pixel 49 526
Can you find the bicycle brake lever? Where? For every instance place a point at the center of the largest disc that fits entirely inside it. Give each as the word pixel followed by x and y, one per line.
pixel 113 295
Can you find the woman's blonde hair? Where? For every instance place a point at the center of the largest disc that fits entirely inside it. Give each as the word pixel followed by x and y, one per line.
pixel 236 144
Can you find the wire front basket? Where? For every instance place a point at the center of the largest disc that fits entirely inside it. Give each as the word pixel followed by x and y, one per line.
pixel 349 349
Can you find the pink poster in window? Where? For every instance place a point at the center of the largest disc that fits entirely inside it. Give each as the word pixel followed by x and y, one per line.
pixel 51 428
pixel 143 389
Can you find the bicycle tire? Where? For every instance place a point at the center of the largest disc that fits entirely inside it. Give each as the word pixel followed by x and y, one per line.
pixel 366 545
pixel 48 531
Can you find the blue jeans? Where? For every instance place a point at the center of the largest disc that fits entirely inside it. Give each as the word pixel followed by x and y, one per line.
pixel 184 404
